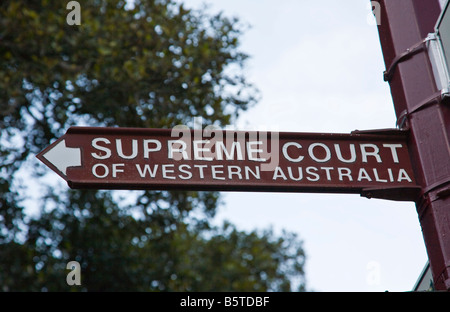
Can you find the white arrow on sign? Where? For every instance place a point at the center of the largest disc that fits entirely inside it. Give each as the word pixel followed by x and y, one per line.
pixel 63 157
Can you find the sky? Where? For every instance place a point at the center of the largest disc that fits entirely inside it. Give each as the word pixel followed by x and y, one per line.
pixel 318 66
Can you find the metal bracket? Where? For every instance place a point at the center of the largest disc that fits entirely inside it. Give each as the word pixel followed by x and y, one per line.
pixel 418 47
pixel 387 131
pixel 438 63
pixel 442 187
pixel 409 193
pixel 442 77
pixel 435 98
pixel 445 94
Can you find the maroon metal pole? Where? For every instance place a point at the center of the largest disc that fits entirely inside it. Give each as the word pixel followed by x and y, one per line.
pixel 403 25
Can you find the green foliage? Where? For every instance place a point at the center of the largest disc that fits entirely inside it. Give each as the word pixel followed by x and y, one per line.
pixel 154 65
pixel 230 260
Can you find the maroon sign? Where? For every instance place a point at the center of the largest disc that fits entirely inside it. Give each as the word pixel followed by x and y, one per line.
pixel 374 165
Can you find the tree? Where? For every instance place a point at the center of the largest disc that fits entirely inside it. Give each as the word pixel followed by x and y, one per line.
pixel 153 64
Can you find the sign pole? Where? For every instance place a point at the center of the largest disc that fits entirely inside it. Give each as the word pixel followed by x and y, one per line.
pixel 403 26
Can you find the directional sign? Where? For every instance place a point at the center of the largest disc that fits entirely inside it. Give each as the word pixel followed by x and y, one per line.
pixel 372 164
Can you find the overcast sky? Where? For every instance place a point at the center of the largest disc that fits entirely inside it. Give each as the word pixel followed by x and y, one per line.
pixel 318 65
